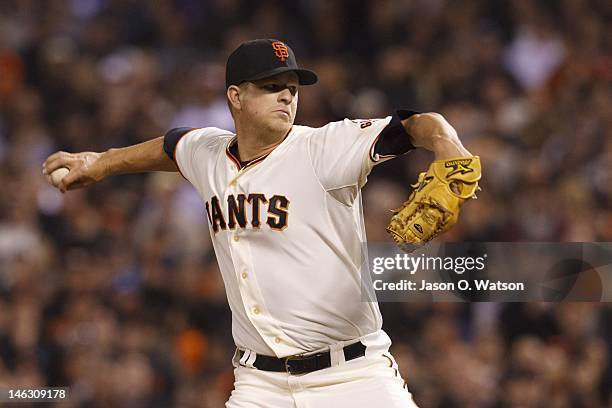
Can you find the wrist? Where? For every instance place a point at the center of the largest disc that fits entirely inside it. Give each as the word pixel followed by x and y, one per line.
pixel 447 147
pixel 101 164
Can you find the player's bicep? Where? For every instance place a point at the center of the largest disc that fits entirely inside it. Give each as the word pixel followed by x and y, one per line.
pixel 190 149
pixel 171 139
pixel 393 140
pixel 339 151
pixel 180 149
pixel 343 153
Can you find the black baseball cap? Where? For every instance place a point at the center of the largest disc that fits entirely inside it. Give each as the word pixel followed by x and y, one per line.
pixel 263 58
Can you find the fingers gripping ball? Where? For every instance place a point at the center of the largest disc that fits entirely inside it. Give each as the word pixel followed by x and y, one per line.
pixel 56 176
pixel 434 204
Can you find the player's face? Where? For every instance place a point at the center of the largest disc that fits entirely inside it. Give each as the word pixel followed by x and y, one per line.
pixel 272 102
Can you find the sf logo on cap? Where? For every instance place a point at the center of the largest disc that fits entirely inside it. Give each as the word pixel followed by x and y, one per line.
pixel 280 50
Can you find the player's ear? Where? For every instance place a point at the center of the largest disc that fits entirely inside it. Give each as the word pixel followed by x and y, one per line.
pixel 233 96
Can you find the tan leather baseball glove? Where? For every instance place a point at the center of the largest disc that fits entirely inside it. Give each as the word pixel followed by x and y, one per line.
pixel 433 206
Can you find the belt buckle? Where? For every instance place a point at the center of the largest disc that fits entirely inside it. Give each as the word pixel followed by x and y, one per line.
pixel 287 366
pixel 288 359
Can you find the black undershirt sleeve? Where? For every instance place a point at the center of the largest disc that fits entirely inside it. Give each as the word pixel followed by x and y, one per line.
pixel 393 140
pixel 172 137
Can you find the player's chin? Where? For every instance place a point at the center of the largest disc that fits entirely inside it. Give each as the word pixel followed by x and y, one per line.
pixel 281 124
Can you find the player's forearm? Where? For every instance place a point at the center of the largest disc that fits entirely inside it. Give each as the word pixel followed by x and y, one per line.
pixel 87 168
pixel 143 157
pixel 432 132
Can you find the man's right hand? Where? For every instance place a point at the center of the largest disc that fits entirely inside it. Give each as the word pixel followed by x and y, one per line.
pixel 84 169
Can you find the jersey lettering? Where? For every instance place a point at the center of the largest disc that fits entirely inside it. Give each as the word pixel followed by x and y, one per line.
pixel 255 199
pixel 237 213
pixel 217 215
pixel 363 123
pixel 277 220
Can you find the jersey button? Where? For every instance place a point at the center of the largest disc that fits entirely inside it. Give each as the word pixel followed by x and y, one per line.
pixel 244 275
pixel 236 238
pixel 277 340
pixel 255 310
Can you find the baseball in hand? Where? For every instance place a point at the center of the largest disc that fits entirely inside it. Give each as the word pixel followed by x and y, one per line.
pixel 57 176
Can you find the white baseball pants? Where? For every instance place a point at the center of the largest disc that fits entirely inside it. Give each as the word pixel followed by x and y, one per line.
pixel 365 382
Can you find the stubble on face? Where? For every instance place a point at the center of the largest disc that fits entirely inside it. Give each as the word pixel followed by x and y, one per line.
pixel 270 104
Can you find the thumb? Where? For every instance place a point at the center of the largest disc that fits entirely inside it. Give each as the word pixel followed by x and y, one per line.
pixel 68 181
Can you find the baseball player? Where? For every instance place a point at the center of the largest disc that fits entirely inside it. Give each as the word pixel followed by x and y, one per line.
pixel 285 217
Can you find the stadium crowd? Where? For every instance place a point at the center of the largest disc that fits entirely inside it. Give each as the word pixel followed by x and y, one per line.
pixel 114 290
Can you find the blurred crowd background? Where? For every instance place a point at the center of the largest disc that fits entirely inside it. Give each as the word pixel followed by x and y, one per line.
pixel 114 291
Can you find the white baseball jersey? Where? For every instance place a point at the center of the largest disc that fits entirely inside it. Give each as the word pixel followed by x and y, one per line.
pixel 288 230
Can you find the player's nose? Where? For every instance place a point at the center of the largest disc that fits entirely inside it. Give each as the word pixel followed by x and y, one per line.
pixel 285 96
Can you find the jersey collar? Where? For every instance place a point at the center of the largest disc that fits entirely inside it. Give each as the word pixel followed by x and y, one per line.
pixel 231 150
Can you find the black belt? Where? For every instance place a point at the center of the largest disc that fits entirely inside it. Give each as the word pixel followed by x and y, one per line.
pixel 305 364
